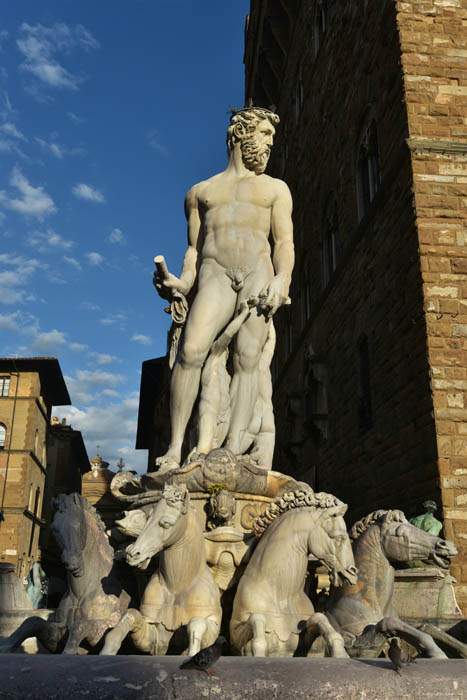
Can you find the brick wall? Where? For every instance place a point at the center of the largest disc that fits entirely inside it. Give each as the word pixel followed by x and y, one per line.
pixel 434 59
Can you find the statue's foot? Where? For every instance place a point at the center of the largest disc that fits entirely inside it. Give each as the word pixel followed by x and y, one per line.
pixel 168 462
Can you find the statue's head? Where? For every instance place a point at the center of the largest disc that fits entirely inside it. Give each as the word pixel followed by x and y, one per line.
pixel 430 506
pixel 253 128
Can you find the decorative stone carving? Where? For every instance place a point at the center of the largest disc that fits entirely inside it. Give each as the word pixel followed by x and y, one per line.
pixel 272 615
pixel 239 286
pixel 222 508
pixel 380 538
pixel 95 599
pixel 220 468
pixel 180 606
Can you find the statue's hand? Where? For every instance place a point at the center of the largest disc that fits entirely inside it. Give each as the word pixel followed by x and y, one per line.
pixel 165 285
pixel 273 295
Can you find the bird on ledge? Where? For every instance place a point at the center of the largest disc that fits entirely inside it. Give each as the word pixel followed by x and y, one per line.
pixel 206 657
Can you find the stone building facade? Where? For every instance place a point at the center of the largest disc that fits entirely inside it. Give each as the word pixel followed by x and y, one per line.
pixel 29 387
pixel 370 373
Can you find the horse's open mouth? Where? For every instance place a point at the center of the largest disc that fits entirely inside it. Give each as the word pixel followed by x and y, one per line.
pixel 440 560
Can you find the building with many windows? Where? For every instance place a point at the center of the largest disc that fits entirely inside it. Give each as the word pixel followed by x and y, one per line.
pixel 370 372
pixel 37 460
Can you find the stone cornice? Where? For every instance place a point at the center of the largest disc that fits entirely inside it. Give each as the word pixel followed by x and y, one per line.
pixel 432 146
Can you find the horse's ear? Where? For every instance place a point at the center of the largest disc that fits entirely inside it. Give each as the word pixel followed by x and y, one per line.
pixel 76 498
pixel 394 516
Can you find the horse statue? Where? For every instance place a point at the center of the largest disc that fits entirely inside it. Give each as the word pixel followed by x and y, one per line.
pixel 272 615
pixel 95 599
pixel 180 609
pixel 380 538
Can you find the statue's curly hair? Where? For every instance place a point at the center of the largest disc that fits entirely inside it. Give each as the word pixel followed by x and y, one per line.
pixel 244 122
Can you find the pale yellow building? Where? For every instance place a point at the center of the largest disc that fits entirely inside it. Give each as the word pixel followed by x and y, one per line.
pixel 29 387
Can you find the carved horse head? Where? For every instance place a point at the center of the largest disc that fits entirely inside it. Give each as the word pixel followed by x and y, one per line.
pixel 164 526
pixel 69 528
pixel 402 541
pixel 320 516
pixel 331 545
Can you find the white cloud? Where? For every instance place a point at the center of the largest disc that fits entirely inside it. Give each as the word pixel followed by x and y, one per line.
pixel 82 191
pixel 53 148
pixel 9 322
pixel 34 201
pixel 155 142
pixel 116 236
pixel 16 272
pixel 48 342
pixel 77 347
pixel 74 118
pixel 114 319
pixel 40 46
pixel 50 239
pixel 85 383
pixel 90 306
pixel 10 130
pixel 4 34
pixel 73 262
pixel 95 258
pixel 102 358
pixel 112 427
pixel 143 339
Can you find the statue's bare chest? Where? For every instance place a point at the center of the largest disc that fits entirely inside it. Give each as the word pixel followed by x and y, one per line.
pixel 252 191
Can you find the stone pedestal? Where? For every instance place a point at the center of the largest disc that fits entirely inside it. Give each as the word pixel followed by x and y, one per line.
pixel 426 595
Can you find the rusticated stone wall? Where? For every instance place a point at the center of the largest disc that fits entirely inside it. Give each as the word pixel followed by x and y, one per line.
pixel 371 365
pixel 434 58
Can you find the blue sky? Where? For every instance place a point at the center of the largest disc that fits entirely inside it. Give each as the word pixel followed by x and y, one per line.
pixel 109 112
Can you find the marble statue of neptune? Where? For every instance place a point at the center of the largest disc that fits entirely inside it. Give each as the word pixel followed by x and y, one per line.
pixel 230 219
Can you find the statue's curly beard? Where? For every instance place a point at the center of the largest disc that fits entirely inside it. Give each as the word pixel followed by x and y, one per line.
pixel 254 158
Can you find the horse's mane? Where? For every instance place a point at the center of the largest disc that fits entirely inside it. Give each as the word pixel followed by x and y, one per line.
pixel 290 500
pixel 362 525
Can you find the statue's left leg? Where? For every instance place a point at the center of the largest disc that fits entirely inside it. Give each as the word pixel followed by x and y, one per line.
pixel 319 625
pixel 393 627
pixel 244 387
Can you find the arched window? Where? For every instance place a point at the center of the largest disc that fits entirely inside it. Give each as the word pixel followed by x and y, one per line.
pixel 2 436
pixel 368 167
pixel 320 23
pixel 330 248
pixel 36 443
pixel 4 386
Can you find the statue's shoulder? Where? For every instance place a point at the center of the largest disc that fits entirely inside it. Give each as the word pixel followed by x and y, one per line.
pixel 279 187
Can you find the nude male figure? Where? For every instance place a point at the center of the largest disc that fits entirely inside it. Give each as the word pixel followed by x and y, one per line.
pixel 230 218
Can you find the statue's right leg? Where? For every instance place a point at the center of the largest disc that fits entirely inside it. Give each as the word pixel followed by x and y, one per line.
pixel 130 622
pixel 211 310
